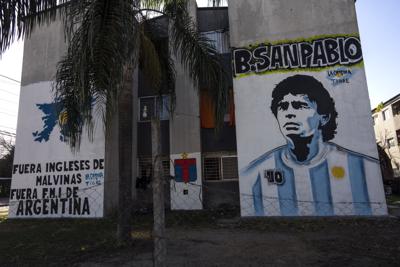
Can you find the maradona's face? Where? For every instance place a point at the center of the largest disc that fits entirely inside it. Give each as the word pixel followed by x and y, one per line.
pixel 297 115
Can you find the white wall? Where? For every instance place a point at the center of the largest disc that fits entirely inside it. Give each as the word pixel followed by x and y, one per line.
pixel 348 168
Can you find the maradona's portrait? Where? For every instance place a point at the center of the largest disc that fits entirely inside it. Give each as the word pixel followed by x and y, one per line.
pixel 310 175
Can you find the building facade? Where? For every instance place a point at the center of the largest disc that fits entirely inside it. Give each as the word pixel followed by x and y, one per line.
pixel 386 120
pixel 190 130
pixel 266 46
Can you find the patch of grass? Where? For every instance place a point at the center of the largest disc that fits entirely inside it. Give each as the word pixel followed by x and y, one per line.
pixel 54 242
pixel 230 219
pixel 65 242
pixel 392 199
pixel 3 213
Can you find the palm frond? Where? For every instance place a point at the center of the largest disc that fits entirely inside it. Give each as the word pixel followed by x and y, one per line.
pixel 105 40
pixel 19 17
pixel 149 58
pixel 91 74
pixel 198 55
pixel 155 4
pixel 168 73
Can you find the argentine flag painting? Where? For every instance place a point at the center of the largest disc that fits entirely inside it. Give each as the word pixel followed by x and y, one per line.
pixel 49 179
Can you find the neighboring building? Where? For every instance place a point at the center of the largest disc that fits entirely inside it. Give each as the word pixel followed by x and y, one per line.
pixel 386 120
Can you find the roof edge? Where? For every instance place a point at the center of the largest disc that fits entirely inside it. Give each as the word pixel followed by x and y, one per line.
pixel 388 102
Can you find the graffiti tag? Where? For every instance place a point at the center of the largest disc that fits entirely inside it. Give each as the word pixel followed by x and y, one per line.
pixel 94 178
pixel 310 54
pixel 339 75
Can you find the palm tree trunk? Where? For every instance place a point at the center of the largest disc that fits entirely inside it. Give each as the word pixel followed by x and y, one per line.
pixel 125 159
pixel 160 250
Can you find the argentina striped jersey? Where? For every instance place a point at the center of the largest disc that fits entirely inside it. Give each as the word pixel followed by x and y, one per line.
pixel 337 182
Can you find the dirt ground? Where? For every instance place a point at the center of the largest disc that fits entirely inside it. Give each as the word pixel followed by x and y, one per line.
pixel 272 242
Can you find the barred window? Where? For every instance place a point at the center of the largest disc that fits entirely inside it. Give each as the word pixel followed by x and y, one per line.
pixel 220 168
pixel 145 166
pixel 229 168
pixel 166 167
pixel 211 168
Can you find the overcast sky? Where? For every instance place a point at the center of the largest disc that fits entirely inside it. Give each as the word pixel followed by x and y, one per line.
pixel 379 25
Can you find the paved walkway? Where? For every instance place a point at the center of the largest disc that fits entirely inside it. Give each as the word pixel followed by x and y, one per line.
pixel 330 242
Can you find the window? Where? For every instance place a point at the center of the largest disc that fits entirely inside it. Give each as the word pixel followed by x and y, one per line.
pixel 398 136
pixel 374 118
pixel 145 171
pixel 385 114
pixel 216 168
pixel 207 116
pixel 147 108
pixel 220 39
pixel 229 167
pixel 396 108
pixel 165 107
pixel 149 105
pixel 391 142
pixel 145 166
pixel 211 168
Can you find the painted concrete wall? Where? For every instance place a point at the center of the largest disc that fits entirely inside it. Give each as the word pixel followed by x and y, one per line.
pixel 41 143
pixel 42 51
pixel 286 19
pixel 185 135
pixel 294 158
pixel 185 123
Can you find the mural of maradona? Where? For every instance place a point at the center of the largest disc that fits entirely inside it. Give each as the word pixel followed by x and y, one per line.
pixel 312 176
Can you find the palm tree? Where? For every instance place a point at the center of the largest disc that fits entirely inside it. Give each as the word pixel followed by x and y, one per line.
pixel 107 40
pixel 7 149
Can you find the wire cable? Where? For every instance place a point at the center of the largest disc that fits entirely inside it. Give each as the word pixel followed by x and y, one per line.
pixel 7 134
pixel 3 126
pixel 9 78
